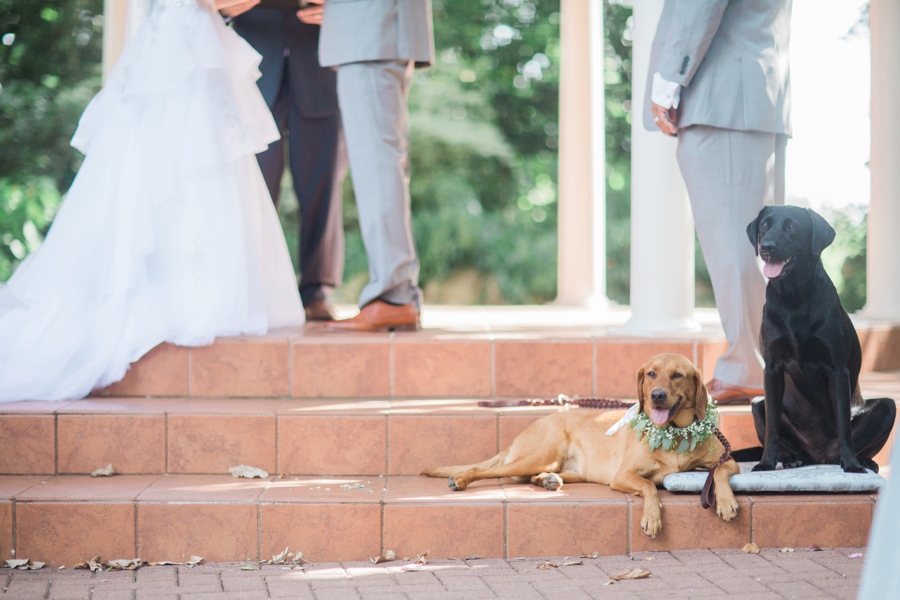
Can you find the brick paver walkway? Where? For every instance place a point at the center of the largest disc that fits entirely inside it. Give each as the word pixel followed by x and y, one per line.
pixel 677 574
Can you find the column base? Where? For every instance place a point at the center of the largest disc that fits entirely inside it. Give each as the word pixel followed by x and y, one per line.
pixel 644 327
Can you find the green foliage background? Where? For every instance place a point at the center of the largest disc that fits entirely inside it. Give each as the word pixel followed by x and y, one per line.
pixel 484 160
pixel 49 69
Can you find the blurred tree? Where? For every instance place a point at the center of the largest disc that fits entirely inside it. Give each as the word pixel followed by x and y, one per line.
pixel 49 69
pixel 845 258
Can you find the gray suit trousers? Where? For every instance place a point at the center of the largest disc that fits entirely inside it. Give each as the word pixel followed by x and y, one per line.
pixel 730 175
pixel 372 97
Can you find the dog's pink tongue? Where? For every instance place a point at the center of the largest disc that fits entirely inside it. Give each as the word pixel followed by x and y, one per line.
pixel 659 416
pixel 773 269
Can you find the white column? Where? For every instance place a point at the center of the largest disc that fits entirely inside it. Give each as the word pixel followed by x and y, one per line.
pixel 883 240
pixel 662 228
pixel 114 14
pixel 582 158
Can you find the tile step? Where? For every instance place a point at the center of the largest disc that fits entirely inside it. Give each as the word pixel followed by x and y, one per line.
pixel 63 520
pixel 296 437
pixel 473 360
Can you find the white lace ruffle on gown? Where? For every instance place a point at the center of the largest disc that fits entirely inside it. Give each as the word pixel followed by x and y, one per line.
pixel 168 232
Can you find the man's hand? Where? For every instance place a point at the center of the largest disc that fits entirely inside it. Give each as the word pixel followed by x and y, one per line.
pixel 665 118
pixel 233 8
pixel 311 15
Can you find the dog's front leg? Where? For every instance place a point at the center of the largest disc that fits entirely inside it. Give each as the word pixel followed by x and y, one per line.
pixel 774 386
pixel 632 483
pixel 839 390
pixel 726 503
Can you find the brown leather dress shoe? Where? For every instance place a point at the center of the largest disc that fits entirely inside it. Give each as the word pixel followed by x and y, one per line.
pixel 319 310
pixel 378 315
pixel 725 393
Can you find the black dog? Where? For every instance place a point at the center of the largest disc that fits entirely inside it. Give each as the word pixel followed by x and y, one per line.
pixel 813 411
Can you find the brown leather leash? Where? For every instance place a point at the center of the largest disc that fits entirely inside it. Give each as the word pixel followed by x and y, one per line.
pixel 594 402
pixel 707 496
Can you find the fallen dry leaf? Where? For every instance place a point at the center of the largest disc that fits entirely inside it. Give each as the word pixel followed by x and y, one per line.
pixel 248 568
pixel 95 564
pixel 420 558
pixel 411 568
pixel 787 549
pixel 24 564
pixel 195 560
pixel 572 563
pixel 610 582
pixel 546 566
pixel 474 557
pixel 106 471
pixel 163 562
pixel 247 472
pixel 279 559
pixel 814 548
pixel 855 555
pixel 128 565
pixel 634 573
pixel 386 557
pixel 591 555
pixel 750 548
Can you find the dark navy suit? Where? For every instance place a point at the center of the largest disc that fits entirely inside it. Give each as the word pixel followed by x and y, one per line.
pixel 303 98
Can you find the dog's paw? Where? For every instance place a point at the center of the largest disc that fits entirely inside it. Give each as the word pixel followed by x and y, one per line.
pixel 456 485
pixel 869 464
pixel 651 525
pixel 764 466
pixel 853 467
pixel 793 462
pixel 726 508
pixel 551 481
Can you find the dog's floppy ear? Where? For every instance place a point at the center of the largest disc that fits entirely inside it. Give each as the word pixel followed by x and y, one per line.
pixel 822 232
pixel 701 397
pixel 753 232
pixel 640 385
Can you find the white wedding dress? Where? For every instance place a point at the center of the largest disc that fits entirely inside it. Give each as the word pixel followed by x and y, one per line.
pixel 168 232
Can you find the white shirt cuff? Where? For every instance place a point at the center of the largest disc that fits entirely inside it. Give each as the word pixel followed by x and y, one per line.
pixel 665 93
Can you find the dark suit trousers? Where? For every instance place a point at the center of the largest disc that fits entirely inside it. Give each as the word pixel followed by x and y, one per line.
pixel 303 99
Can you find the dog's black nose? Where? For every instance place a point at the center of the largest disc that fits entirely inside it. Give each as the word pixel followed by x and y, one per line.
pixel 658 396
pixel 767 245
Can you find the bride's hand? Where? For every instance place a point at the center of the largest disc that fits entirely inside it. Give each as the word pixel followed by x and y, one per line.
pixel 233 8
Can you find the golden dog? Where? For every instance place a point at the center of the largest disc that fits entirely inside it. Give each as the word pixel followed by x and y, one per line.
pixel 574 446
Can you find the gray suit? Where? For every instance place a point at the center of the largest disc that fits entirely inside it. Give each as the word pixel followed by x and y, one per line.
pixel 375 45
pixel 731 57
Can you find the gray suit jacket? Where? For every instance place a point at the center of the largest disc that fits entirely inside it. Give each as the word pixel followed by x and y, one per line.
pixel 731 57
pixel 368 30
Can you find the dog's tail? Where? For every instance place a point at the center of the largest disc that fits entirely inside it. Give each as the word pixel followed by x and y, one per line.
pixel 457 469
